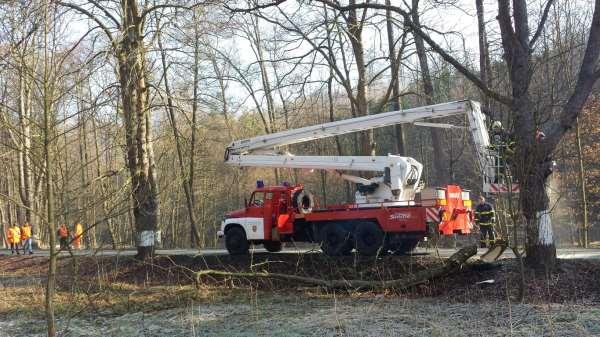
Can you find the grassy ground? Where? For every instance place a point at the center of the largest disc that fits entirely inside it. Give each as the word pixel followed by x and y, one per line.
pixel 121 297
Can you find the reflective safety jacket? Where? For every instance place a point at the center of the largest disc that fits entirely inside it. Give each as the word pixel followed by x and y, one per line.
pixel 503 144
pixel 484 214
pixel 9 235
pixel 78 230
pixel 25 232
pixel 63 232
pixel 14 234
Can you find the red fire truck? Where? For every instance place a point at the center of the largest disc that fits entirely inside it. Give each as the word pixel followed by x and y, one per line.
pixel 392 212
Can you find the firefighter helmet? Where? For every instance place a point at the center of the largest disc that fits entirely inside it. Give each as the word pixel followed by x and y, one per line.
pixel 496 125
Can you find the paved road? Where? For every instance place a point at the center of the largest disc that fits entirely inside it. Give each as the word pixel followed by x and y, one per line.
pixel 563 253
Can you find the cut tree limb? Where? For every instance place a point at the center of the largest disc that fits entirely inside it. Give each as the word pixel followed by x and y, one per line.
pixel 452 264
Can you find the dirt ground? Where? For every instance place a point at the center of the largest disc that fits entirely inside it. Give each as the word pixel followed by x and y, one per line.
pixel 122 297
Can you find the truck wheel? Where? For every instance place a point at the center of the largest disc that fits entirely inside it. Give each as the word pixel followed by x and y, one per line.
pixel 236 241
pixel 336 240
pixel 272 246
pixel 369 238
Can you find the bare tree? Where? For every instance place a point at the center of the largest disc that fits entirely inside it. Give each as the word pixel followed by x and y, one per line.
pixel 130 52
pixel 441 171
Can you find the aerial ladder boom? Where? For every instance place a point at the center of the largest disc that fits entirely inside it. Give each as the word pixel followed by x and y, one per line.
pixel 313 132
pixel 401 175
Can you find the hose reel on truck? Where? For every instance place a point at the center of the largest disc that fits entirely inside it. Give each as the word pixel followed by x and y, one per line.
pixel 303 201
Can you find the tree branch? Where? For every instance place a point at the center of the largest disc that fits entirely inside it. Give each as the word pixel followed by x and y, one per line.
pixel 587 77
pixel 408 21
pixel 453 264
pixel 540 27
pixel 106 12
pixel 257 7
pixel 436 47
pixel 91 16
pixel 506 31
pixel 521 23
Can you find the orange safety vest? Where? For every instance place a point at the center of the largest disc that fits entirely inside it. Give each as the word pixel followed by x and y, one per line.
pixel 63 232
pixel 25 232
pixel 14 235
pixel 9 234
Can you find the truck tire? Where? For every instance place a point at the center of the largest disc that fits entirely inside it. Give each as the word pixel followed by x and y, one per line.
pixel 336 240
pixel 236 241
pixel 272 246
pixel 369 238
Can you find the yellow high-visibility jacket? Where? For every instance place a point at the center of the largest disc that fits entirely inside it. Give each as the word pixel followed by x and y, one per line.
pixel 25 232
pixel 14 234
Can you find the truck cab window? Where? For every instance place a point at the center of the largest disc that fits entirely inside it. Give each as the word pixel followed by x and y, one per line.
pixel 257 199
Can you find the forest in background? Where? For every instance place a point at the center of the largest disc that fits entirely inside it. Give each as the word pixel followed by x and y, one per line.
pixel 202 75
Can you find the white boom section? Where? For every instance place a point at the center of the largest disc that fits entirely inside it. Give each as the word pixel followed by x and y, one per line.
pixel 270 141
pixel 260 151
pixel 481 140
pixel 399 183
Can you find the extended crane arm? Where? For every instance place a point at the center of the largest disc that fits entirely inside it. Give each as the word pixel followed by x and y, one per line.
pixel 400 174
pixel 266 143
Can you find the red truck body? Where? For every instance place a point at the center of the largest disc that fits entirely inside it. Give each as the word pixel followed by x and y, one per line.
pixel 275 214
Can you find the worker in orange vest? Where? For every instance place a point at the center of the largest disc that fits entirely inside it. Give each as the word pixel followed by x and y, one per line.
pixel 77 236
pixel 13 234
pixel 26 238
pixel 63 237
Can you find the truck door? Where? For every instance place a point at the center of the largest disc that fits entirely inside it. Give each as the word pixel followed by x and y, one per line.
pixel 254 222
pixel 269 216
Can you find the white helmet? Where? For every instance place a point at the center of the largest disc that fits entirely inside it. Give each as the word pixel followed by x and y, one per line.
pixel 496 125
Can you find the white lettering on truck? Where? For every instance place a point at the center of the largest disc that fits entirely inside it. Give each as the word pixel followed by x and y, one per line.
pixel 399 216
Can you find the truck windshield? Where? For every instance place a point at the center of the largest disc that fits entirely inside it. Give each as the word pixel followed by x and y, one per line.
pixel 257 199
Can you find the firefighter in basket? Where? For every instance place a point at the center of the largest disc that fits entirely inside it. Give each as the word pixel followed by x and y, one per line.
pixel 503 148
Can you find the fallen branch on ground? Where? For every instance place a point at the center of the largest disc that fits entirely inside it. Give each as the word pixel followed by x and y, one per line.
pixel 452 264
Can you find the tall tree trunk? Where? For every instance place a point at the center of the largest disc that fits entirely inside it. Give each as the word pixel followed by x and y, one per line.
pixel 355 29
pixel 582 186
pixel 132 77
pixel 47 97
pixel 532 167
pixel 187 188
pixel 484 59
pixel 194 126
pixel 441 175
pixel 83 156
pixel 394 68
pixel 24 162
pixel 531 163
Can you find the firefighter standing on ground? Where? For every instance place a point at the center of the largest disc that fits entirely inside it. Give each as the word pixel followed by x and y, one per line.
pixel 63 236
pixel 26 238
pixel 77 236
pixel 485 217
pixel 13 234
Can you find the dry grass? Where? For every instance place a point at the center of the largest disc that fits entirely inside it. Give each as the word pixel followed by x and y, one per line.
pixel 106 297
